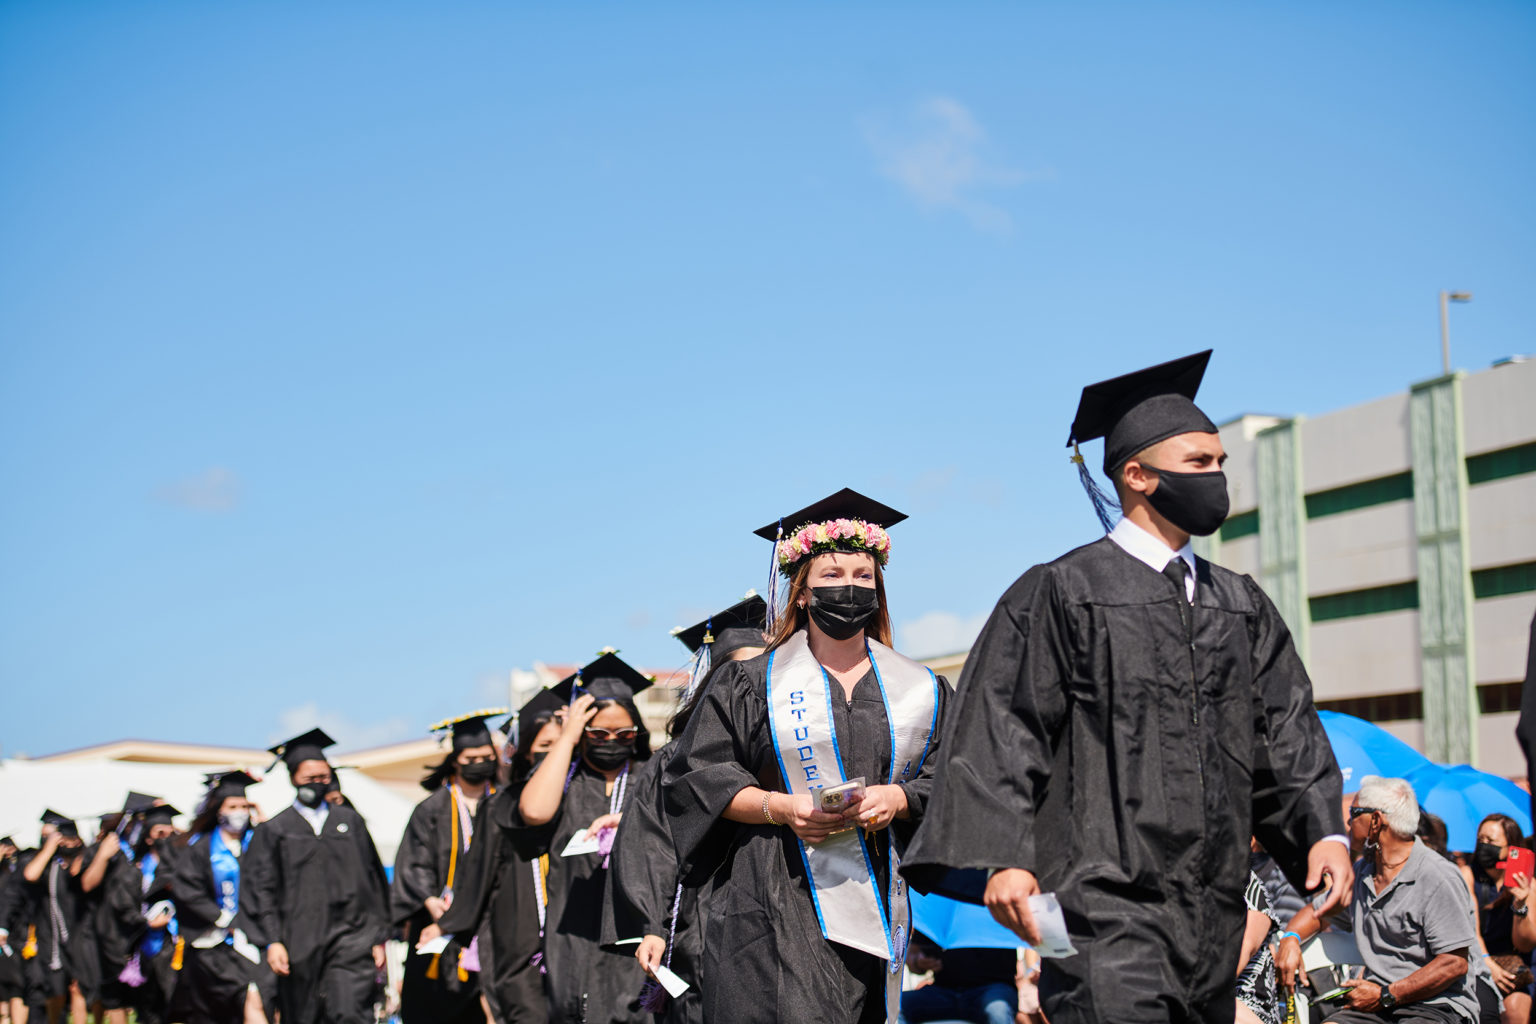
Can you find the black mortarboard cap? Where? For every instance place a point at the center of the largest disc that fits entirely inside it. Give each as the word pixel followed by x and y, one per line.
pixel 845 504
pixel 308 747
pixel 1135 411
pixel 610 678
pixel 60 822
pixel 160 814
pixel 538 710
pixel 138 803
pixel 469 730
pixel 223 785
pixel 740 625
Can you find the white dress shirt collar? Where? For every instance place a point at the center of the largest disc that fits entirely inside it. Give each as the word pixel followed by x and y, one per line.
pixel 314 815
pixel 1151 551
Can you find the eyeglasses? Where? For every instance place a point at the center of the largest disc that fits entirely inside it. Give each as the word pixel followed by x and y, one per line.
pixel 1355 812
pixel 604 735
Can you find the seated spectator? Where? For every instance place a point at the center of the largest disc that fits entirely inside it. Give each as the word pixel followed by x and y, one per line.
pixel 1510 968
pixel 1410 918
pixel 978 985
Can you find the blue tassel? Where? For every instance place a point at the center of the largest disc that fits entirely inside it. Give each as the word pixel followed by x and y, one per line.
pixel 772 596
pixel 1103 501
pixel 701 665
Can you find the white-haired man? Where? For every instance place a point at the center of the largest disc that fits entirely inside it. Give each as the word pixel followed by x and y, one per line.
pixel 1409 915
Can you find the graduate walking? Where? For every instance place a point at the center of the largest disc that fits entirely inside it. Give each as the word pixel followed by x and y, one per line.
pixel 798 780
pixel 443 987
pixel 581 789
pixel 501 896
pixel 1128 718
pixel 313 894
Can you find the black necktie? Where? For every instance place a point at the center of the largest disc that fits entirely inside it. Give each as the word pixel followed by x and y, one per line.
pixel 1176 570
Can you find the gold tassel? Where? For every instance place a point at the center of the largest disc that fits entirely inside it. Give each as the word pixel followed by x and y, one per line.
pixel 432 967
pixel 463 974
pixel 176 957
pixel 29 950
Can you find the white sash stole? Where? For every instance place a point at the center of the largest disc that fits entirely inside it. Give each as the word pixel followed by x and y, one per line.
pixel 849 904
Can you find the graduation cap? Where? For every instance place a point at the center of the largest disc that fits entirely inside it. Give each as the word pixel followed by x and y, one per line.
pixel 740 625
pixel 845 521
pixel 541 708
pixel 609 678
pixel 1134 411
pixel 308 747
pixel 223 785
pixel 845 504
pixel 66 826
pixel 138 803
pixel 160 814
pixel 469 730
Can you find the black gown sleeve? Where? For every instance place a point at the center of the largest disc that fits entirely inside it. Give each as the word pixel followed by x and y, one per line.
pixel 416 878
pixel 1526 730
pixel 1000 739
pixel 475 876
pixel 197 910
pixel 1297 790
pixel 259 903
pixel 375 883
pixel 709 767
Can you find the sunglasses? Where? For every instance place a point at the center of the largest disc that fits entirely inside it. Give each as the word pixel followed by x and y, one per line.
pixel 1355 812
pixel 604 735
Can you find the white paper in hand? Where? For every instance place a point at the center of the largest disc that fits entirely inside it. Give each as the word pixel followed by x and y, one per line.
pixel 1054 941
pixel 437 945
pixel 580 843
pixel 674 985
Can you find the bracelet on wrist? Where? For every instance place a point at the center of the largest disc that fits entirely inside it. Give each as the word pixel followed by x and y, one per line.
pixel 767 816
pixel 1289 935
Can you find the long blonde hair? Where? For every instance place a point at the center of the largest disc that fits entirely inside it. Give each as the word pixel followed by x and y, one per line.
pixel 793 617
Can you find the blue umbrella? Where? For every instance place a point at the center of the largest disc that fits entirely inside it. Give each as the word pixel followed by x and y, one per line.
pixel 1464 796
pixel 956 925
pixel 1364 749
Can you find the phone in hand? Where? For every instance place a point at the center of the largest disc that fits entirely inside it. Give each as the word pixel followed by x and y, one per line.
pixel 835 799
pixel 1518 861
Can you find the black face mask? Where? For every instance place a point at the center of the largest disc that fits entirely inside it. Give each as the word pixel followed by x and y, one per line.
pixel 609 754
pixel 537 759
pixel 1486 856
pixel 1196 503
pixel 477 772
pixel 311 794
pixel 840 612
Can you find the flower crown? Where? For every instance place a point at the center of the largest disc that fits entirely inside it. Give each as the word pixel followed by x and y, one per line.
pixel 833 535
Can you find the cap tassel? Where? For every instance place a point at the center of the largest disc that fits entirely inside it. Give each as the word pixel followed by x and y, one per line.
pixel 1103 502
pixel 701 665
pixel 773 579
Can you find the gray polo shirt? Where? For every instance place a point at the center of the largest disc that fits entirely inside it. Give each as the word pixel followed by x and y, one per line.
pixel 1421 914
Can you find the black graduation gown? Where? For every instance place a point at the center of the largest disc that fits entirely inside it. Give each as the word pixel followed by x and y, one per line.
pixel 643 878
pixel 151 999
pixel 325 899
pixel 10 907
pixel 118 924
pixel 421 872
pixel 1526 729
pixel 764 957
pixel 495 900
pixel 586 984
pixel 213 982
pixel 1126 763
pixel 42 980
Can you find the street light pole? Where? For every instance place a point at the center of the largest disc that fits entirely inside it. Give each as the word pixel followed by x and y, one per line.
pixel 1445 325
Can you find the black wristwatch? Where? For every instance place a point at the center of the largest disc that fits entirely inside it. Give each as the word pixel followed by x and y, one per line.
pixel 1387 999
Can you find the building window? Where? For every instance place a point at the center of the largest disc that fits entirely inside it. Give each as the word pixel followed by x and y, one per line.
pixel 1372 601
pixel 1493 698
pixel 1384 707
pixel 1244 524
pixel 1503 463
pixel 1380 491
pixel 1503 580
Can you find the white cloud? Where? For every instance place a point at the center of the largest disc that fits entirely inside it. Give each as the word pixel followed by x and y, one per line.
pixel 936 156
pixel 213 490
pixel 938 633
pixel 348 733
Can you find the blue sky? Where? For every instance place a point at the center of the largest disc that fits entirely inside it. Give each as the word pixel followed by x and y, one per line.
pixel 354 354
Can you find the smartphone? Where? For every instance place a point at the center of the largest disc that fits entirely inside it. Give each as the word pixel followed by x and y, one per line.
pixel 833 799
pixel 1520 861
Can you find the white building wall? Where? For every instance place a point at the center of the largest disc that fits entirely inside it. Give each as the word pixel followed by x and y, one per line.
pixel 1367 547
pixel 1501 520
pixel 1501 633
pixel 1365 656
pixel 1359 443
pixel 1500 407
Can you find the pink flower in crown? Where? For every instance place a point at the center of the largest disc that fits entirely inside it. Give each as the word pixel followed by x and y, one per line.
pixel 805 542
pixel 834 529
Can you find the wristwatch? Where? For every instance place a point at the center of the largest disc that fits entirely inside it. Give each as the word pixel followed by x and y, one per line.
pixel 1387 999
pixel 1521 910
